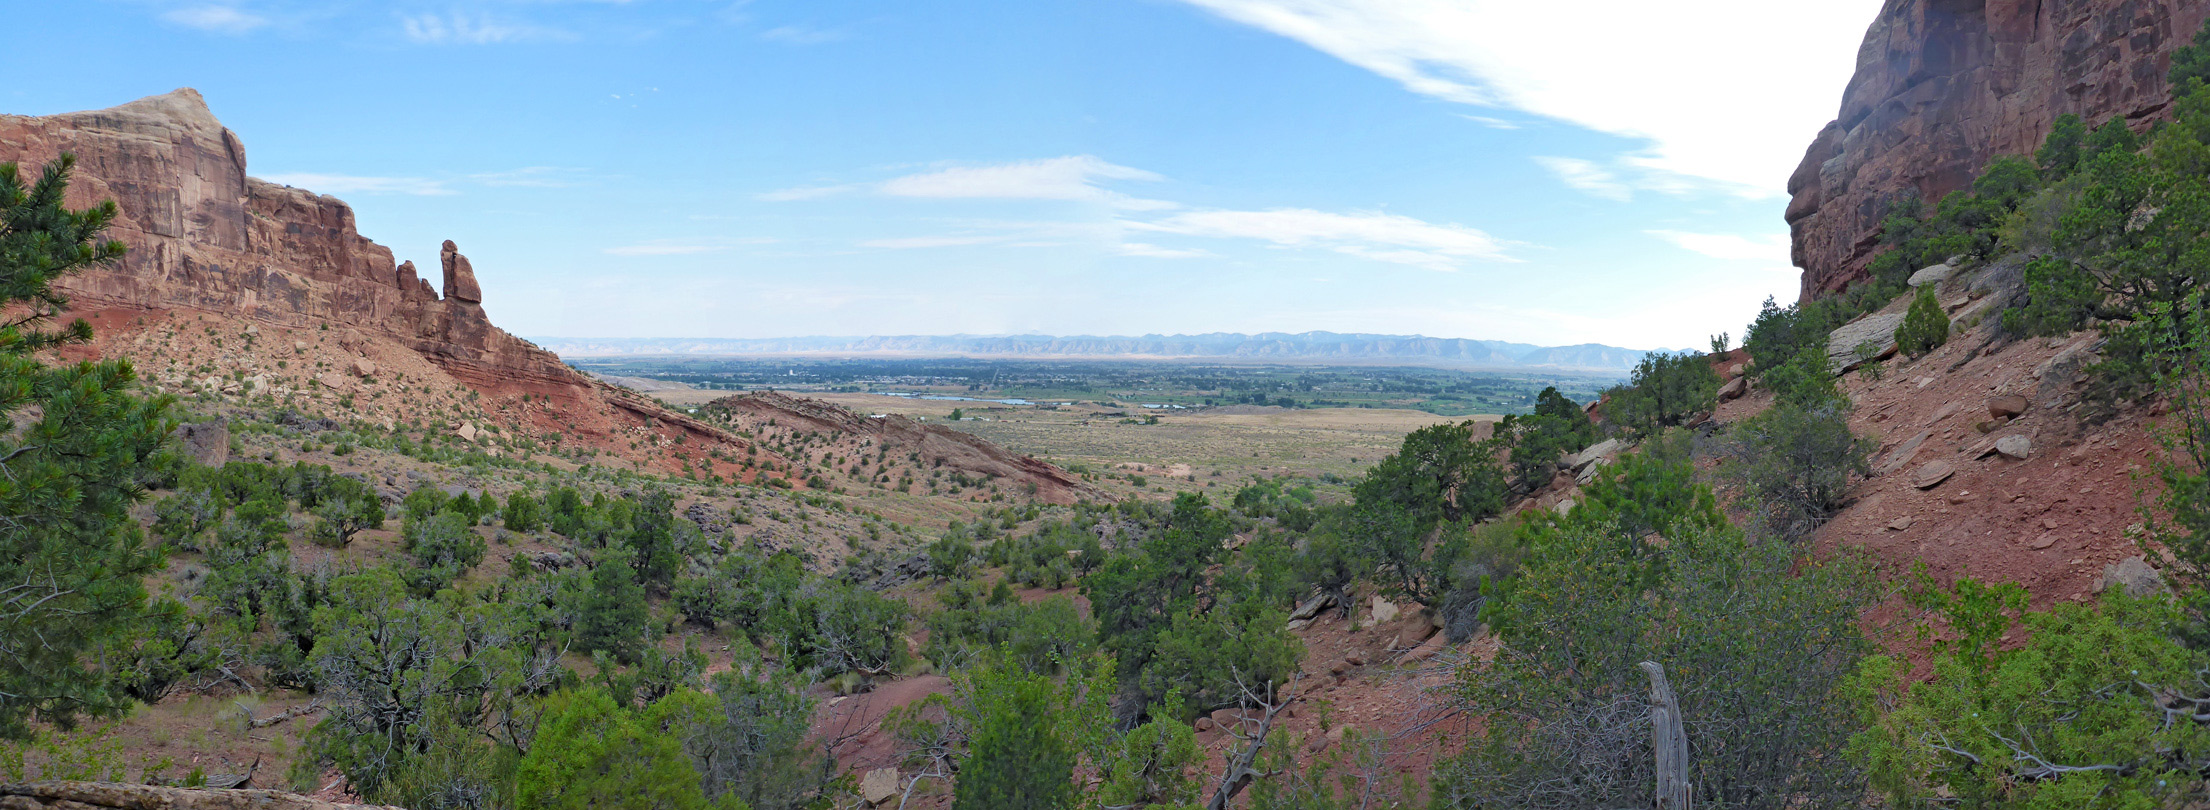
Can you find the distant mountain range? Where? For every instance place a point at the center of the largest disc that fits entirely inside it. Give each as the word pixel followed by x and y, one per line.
pixel 1306 347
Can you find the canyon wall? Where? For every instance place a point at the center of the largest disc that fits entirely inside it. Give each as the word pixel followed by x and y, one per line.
pixel 203 235
pixel 1942 86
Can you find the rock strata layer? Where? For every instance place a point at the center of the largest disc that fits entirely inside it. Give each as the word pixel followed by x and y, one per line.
pixel 1942 86
pixel 204 235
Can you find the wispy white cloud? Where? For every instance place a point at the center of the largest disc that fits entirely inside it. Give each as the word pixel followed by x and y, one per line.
pixel 1586 176
pixel 357 184
pixel 461 28
pixel 1698 91
pixel 1075 179
pixel 1156 252
pixel 671 247
pixel 530 177
pixel 1768 248
pixel 807 192
pixel 1371 234
pixel 912 242
pixel 221 19
pixel 802 35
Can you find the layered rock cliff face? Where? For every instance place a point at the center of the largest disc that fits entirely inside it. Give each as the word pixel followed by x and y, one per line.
pixel 204 235
pixel 1942 86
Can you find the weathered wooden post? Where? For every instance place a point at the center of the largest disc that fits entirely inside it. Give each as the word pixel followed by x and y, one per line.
pixel 1669 741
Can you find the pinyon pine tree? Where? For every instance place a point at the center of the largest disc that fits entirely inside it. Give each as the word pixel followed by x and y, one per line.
pixel 77 448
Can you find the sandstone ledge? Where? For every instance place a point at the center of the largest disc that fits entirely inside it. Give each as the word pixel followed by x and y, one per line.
pixel 103 795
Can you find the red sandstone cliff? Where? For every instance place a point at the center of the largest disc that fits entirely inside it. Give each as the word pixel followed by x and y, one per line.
pixel 1942 86
pixel 205 236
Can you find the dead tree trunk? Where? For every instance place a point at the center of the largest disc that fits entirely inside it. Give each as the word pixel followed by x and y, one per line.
pixel 1251 732
pixel 1669 741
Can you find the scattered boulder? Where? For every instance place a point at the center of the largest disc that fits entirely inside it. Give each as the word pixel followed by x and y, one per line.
pixel 1902 523
pixel 2062 372
pixel 1382 610
pixel 879 786
pixel 2044 541
pixel 2133 574
pixel 2017 446
pixel 1905 453
pixel 1427 649
pixel 1932 473
pixel 207 443
pixel 1565 506
pixel 1311 607
pixel 1876 330
pixel 1735 388
pixel 466 431
pixel 363 367
pixel 1931 275
pixel 2007 406
pixel 1600 451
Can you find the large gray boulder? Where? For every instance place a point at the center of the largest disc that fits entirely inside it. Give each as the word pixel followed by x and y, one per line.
pixel 207 443
pixel 1874 333
pixel 1931 275
pixel 1600 451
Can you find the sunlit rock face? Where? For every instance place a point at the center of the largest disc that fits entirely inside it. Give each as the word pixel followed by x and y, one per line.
pixel 1942 86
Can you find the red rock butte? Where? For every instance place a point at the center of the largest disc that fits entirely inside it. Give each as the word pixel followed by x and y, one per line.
pixel 1943 86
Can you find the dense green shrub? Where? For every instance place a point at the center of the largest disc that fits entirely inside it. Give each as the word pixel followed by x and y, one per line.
pixel 444 546
pixel 1026 733
pixel 1440 473
pixel 1757 645
pixel 1663 391
pixel 592 753
pixel 1925 327
pixel 1797 464
pixel 2093 709
pixel 613 616
pixel 522 513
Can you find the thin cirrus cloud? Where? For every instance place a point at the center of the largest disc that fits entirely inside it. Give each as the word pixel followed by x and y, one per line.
pixel 461 28
pixel 671 247
pixel 1376 236
pixel 1074 178
pixel 914 242
pixel 218 19
pixel 1769 248
pixel 358 184
pixel 1587 177
pixel 1372 235
pixel 1687 99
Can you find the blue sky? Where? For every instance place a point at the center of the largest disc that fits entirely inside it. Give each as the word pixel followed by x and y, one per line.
pixel 1552 173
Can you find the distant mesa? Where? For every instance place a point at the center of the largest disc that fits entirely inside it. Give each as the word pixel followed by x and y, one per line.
pixel 1305 347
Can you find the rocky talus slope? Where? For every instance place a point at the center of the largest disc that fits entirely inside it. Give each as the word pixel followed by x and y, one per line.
pixel 1942 86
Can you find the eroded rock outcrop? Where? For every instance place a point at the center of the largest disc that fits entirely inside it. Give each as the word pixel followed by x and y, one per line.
pixel 204 235
pixel 117 796
pixel 1942 86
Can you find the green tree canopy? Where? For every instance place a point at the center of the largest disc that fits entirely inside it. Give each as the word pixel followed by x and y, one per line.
pixel 78 448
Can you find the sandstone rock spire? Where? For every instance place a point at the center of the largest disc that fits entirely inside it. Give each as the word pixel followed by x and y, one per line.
pixel 460 278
